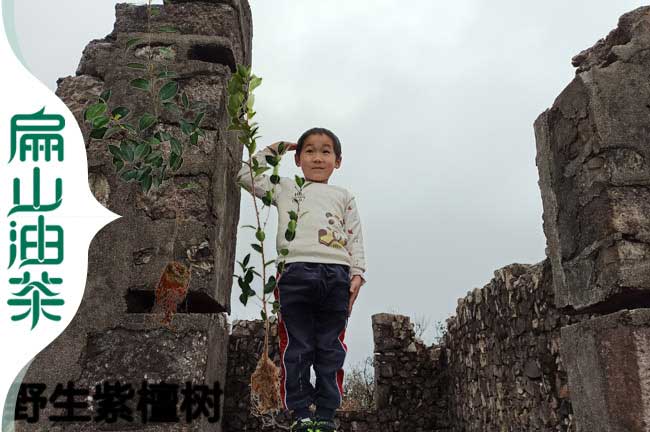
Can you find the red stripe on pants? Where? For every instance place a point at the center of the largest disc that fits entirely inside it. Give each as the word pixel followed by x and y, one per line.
pixel 283 337
pixel 339 373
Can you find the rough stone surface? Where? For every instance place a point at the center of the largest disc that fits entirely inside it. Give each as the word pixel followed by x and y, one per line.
pixel 594 170
pixel 594 173
pixel 113 334
pixel 610 357
pixel 504 364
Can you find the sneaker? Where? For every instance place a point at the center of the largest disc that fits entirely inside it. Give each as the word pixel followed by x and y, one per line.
pixel 303 425
pixel 323 425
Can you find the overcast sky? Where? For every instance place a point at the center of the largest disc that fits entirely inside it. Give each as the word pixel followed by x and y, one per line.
pixel 434 104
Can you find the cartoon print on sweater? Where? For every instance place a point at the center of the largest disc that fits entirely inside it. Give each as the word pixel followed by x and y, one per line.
pixel 333 235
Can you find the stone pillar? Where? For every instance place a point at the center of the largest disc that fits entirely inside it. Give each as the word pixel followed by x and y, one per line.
pixel 113 335
pixel 409 378
pixel 594 175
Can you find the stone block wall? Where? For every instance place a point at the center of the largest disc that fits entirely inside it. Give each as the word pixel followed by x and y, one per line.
pixel 503 355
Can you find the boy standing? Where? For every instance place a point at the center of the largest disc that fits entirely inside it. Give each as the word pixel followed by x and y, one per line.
pixel 323 273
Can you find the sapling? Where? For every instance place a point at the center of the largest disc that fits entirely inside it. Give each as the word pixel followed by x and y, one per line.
pixel 265 382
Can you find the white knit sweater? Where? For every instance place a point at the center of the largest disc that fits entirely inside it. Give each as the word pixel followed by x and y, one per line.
pixel 329 226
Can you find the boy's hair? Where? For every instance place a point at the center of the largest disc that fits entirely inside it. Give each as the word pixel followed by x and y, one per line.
pixel 320 130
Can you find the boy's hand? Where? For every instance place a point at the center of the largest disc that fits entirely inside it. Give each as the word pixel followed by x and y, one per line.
pixel 355 285
pixel 287 146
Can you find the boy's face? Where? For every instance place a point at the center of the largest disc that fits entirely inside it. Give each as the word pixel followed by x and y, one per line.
pixel 317 158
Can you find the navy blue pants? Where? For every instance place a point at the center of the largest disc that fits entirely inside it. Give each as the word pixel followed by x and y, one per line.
pixel 313 316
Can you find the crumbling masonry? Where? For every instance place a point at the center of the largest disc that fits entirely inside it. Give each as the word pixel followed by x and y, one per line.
pixel 560 345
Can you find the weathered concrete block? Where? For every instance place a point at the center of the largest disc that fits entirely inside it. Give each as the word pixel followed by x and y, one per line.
pixel 137 349
pixel 594 173
pixel 608 362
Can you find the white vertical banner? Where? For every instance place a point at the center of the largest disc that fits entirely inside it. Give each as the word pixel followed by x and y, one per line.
pixel 49 217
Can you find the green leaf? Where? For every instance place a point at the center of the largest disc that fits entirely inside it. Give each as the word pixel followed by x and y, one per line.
pixel 243 298
pixel 256 247
pixel 142 150
pixel 132 42
pixel 263 314
pixel 177 162
pixel 268 263
pixel 270 285
pixel 300 181
pixel 289 235
pixel 292 215
pixel 242 70
pixel 146 121
pixel 167 74
pixel 254 83
pixel 198 119
pixel 284 252
pixel 249 226
pixel 275 179
pixel 112 131
pixel 168 29
pixel 186 127
pixel 118 163
pixel 153 156
pixel 242 284
pixel 260 170
pixel 248 278
pixel 115 151
pixel 129 175
pixel 146 183
pixel 177 147
pixel 98 133
pixel 168 91
pixel 136 66
pixel 120 112
pixel 143 171
pixel 127 151
pixel 247 259
pixel 185 100
pixel 95 110
pixel 106 95
pixel 260 235
pixel 194 138
pixel 270 160
pixel 141 83
pixel 292 225
pixel 171 106
pixel 101 121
